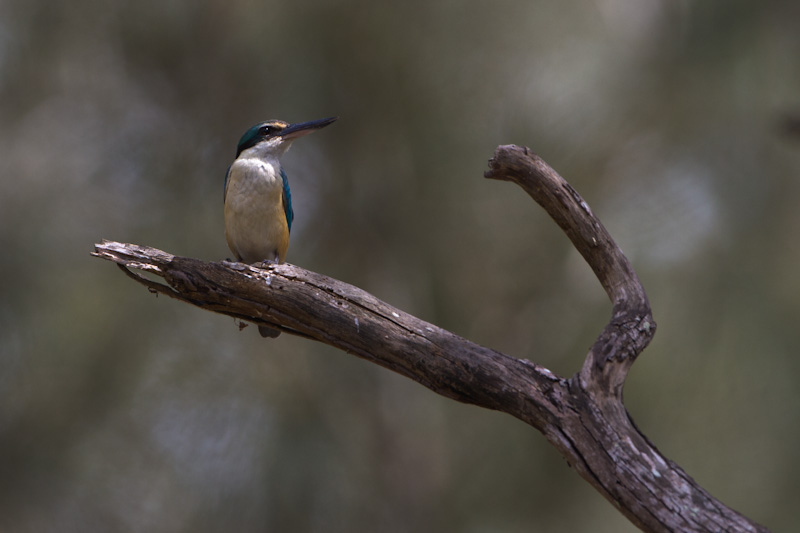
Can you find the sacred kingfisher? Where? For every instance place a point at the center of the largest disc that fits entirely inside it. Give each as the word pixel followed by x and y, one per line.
pixel 258 203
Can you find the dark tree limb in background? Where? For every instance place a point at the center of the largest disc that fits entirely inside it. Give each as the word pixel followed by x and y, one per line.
pixel 583 416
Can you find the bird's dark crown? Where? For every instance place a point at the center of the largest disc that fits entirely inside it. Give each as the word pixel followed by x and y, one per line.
pixel 259 132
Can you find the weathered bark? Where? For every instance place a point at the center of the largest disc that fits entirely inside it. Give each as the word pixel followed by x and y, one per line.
pixel 583 416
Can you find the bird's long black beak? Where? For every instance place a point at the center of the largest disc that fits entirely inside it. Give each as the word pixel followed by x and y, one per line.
pixel 293 131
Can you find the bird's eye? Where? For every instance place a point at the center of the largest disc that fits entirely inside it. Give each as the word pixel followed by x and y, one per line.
pixel 266 130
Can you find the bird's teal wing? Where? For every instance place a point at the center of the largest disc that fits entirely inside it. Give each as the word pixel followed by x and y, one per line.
pixel 287 200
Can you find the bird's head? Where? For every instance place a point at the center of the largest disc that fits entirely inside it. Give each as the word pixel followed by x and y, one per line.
pixel 273 137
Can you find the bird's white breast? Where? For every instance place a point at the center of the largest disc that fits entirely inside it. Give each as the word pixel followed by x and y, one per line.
pixel 255 220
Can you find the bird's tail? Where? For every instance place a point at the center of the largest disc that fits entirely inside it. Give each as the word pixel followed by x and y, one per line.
pixel 268 332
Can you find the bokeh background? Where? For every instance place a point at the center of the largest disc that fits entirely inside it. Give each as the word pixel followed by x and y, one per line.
pixel 120 411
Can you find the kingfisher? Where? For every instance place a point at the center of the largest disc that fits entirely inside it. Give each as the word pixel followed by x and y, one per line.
pixel 258 202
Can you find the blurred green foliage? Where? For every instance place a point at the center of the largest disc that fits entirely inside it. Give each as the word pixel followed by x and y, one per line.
pixel 120 411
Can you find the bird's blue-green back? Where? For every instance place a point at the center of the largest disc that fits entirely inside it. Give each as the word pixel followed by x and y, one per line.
pixel 287 200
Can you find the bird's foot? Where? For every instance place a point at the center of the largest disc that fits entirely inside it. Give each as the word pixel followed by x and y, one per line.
pixel 267 332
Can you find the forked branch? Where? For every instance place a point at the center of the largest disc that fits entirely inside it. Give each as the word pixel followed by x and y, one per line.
pixel 583 416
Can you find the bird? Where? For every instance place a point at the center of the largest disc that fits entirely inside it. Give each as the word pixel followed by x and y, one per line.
pixel 257 199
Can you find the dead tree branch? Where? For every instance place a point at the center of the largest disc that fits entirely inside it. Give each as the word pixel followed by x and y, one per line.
pixel 583 416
